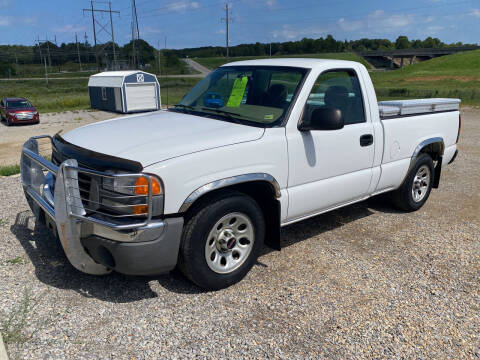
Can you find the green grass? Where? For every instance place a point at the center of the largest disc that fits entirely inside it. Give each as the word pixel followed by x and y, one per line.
pixel 72 94
pixel 455 76
pixel 214 62
pixel 58 95
pixel 16 261
pixel 9 170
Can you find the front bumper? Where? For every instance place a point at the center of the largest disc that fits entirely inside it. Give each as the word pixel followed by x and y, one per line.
pixel 96 244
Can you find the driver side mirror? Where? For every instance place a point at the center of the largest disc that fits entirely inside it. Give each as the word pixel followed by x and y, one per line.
pixel 323 119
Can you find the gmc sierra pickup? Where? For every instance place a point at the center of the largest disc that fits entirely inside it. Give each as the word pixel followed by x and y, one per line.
pixel 254 146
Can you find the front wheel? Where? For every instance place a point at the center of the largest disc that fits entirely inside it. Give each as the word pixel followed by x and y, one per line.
pixel 222 240
pixel 417 186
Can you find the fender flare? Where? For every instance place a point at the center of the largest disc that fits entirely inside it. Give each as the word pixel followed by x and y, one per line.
pixel 418 150
pixel 234 180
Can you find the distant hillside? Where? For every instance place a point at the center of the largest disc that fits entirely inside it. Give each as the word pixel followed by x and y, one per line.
pixel 455 75
pixel 465 63
pixel 214 62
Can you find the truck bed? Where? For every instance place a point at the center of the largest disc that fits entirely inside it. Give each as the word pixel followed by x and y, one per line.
pixel 396 108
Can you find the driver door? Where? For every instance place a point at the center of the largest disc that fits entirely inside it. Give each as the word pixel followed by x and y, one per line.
pixel 328 168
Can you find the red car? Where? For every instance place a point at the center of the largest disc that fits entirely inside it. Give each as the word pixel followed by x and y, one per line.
pixel 18 111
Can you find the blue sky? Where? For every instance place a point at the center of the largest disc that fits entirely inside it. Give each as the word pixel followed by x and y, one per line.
pixel 198 23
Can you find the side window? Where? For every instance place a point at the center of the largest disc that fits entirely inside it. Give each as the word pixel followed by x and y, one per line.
pixel 339 89
pixel 104 94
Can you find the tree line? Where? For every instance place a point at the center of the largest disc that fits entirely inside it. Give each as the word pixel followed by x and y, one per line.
pixel 313 46
pixel 58 55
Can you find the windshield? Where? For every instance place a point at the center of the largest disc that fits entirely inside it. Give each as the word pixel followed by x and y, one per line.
pixel 18 104
pixel 255 95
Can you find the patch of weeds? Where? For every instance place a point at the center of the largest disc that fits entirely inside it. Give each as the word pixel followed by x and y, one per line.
pixel 78 119
pixel 13 328
pixel 9 170
pixel 17 260
pixel 2 222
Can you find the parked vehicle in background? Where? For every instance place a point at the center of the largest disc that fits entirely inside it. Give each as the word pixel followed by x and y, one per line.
pixel 254 146
pixel 18 111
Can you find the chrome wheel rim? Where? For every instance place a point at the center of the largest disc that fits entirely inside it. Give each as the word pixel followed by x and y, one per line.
pixel 421 182
pixel 229 243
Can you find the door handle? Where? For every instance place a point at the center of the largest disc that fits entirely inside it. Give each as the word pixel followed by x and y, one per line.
pixel 366 140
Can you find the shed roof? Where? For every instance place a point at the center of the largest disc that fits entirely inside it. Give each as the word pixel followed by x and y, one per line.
pixel 111 78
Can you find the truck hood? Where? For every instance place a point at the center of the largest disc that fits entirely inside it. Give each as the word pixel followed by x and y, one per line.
pixel 158 136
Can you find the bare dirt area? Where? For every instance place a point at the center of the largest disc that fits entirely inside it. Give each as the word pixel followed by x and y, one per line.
pixel 13 137
pixel 362 282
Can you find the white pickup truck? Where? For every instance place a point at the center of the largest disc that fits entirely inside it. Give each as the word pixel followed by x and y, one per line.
pixel 254 146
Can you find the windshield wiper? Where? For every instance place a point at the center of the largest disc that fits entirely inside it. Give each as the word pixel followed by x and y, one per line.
pixel 227 114
pixel 183 106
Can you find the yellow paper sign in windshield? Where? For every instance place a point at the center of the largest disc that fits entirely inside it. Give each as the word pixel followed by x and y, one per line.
pixel 238 91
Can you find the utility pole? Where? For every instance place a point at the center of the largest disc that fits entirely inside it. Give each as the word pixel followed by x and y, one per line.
pixel 135 33
pixel 270 49
pixel 113 38
pixel 134 61
pixel 166 69
pixel 46 71
pixel 227 20
pixel 102 28
pixel 78 53
pixel 40 42
pixel 48 52
pixel 94 33
pixel 159 54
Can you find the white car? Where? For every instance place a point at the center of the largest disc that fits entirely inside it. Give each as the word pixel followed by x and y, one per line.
pixel 254 146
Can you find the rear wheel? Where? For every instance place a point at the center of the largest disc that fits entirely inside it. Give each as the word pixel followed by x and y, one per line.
pixel 222 240
pixel 417 186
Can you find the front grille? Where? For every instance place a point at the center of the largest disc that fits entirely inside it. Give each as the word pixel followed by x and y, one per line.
pixel 84 180
pixel 93 195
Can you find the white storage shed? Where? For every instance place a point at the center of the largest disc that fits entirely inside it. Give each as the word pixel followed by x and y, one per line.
pixel 124 91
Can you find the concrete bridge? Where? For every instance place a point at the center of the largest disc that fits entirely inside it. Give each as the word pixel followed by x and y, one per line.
pixel 401 57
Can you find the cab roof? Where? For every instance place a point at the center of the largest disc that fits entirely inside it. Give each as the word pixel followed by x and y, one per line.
pixel 307 63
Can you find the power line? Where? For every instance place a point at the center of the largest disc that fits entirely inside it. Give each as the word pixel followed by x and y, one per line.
pixel 95 22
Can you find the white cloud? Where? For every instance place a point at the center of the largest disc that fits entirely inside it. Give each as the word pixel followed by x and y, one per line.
pixel 183 5
pixel 289 33
pixel 348 25
pixel 475 12
pixel 379 22
pixel 379 19
pixel 24 20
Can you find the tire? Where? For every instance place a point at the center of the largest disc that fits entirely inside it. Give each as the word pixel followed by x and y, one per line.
pixel 416 188
pixel 215 259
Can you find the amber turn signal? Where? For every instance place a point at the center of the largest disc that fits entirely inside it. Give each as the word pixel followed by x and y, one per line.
pixel 140 209
pixel 141 186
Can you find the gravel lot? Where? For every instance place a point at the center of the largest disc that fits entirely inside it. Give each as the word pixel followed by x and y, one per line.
pixel 361 282
pixel 13 137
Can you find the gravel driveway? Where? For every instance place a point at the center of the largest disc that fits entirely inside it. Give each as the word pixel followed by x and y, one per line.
pixel 12 138
pixel 362 282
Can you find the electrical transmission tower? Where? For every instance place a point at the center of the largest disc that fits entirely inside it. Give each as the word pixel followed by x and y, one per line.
pixel 135 34
pixel 227 20
pixel 102 27
pixel 40 43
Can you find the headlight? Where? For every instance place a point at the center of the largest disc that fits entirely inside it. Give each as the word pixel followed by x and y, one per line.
pixel 133 185
pixel 137 187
